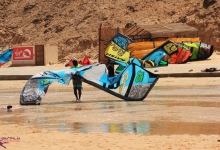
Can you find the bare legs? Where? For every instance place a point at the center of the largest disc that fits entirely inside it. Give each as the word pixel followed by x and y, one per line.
pixel 77 94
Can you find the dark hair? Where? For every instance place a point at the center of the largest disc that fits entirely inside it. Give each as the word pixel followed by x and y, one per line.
pixel 75 62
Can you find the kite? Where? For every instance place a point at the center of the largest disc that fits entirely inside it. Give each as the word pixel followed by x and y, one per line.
pixel 158 52
pixel 132 84
pixel 155 57
pixel 140 49
pixel 117 52
pixel 5 56
pixel 168 53
pixel 180 56
pixel 173 51
pixel 122 40
pixel 200 51
pixel 176 53
pixel 117 48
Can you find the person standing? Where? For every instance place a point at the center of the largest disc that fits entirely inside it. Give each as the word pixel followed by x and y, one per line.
pixel 77 82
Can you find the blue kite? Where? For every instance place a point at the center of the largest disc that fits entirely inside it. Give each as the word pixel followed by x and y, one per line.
pixel 132 84
pixel 5 56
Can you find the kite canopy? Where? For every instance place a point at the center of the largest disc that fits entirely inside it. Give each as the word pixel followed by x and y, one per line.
pixel 5 56
pixel 200 51
pixel 155 57
pixel 132 84
pixel 177 53
pixel 117 48
pixel 170 52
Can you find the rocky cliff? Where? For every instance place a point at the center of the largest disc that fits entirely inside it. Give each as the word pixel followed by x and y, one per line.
pixel 73 24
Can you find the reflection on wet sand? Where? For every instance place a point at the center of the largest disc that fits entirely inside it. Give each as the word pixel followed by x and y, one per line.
pixel 164 112
pixel 141 127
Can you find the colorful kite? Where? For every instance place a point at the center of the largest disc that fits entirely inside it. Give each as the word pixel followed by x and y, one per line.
pixel 132 84
pixel 155 57
pixel 177 53
pixel 168 53
pixel 180 56
pixel 122 40
pixel 5 56
pixel 200 51
pixel 117 48
pixel 117 52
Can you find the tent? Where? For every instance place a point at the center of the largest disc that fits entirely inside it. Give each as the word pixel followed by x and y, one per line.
pixel 85 61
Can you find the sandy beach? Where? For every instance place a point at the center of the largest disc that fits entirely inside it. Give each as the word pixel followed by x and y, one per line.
pixel 176 121
pixel 41 139
pixel 182 110
pixel 178 113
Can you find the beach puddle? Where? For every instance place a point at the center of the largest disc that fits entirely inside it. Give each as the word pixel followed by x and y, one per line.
pixel 138 127
pixel 166 111
pixel 113 117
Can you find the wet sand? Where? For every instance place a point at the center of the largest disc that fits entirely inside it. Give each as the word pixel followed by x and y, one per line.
pixel 178 113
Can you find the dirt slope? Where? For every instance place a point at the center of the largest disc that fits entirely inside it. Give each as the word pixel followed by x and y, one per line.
pixel 73 24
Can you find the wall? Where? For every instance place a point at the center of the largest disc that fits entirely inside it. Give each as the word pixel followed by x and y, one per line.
pixel 50 54
pixel 23 56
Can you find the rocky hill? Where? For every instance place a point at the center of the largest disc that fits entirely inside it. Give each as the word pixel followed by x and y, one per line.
pixel 73 24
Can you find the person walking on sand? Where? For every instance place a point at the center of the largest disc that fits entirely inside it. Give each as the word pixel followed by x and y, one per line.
pixel 77 82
